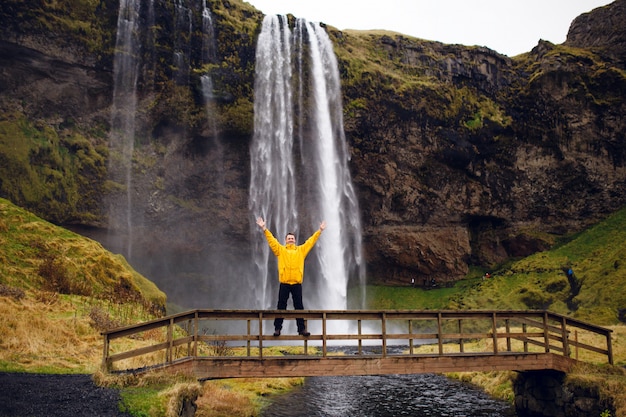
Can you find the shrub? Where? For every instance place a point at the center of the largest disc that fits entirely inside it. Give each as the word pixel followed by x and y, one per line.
pixel 13 292
pixel 534 299
pixel 556 285
pixel 101 320
pixel 54 274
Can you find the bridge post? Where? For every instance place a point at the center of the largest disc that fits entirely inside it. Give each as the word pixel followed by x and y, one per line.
pixel 324 334
pixel 383 329
pixel 565 336
pixel 609 348
pixel 410 339
pixel 260 334
pixel 494 332
pixel 360 340
pixel 170 341
pixel 189 328
pixel 546 336
pixel 507 326
pixel 439 333
pixel 248 330
pixel 105 354
pixel 461 347
pixel 196 333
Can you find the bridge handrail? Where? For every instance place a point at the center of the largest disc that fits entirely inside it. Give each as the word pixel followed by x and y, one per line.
pixel 551 331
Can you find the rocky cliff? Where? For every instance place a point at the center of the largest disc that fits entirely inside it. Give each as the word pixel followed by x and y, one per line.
pixel 495 159
pixel 460 156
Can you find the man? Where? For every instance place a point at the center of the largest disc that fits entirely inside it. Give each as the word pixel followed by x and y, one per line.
pixel 290 271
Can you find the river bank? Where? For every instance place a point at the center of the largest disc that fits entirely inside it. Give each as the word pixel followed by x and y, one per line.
pixel 37 395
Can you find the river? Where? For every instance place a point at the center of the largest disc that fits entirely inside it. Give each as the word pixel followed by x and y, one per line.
pixel 387 396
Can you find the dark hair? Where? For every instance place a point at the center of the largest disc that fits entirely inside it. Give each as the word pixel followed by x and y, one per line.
pixel 290 233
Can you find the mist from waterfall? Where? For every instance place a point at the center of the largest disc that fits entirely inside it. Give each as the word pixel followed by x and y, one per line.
pixel 122 134
pixel 299 164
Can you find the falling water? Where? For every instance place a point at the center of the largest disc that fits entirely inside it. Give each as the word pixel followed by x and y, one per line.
pixel 208 35
pixel 122 135
pixel 208 57
pixel 337 202
pixel 184 29
pixel 272 188
pixel 318 187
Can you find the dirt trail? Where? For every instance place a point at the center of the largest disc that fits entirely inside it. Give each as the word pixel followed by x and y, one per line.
pixel 33 395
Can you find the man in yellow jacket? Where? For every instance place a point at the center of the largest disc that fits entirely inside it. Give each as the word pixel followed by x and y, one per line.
pixel 290 271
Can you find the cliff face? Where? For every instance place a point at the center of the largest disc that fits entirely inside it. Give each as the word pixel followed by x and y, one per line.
pixel 527 149
pixel 460 156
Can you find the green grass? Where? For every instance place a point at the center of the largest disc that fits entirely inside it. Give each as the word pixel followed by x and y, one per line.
pixel 410 298
pixel 143 401
pixel 597 257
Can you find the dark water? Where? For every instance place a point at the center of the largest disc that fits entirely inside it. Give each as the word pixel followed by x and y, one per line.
pixel 387 396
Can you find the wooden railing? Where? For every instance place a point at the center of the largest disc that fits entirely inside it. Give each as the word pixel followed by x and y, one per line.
pixel 240 335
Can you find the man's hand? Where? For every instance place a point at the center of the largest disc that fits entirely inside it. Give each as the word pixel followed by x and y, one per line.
pixel 260 222
pixel 323 225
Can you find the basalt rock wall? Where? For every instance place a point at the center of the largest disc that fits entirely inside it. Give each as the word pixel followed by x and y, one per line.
pixel 549 394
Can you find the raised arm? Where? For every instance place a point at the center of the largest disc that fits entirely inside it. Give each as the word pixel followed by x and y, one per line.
pixel 260 222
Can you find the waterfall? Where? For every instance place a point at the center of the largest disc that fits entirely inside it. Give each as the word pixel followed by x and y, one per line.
pixel 294 197
pixel 182 52
pixel 272 183
pixel 208 35
pixel 208 57
pixel 122 134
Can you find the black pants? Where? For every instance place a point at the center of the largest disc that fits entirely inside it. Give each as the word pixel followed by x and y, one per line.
pixel 283 295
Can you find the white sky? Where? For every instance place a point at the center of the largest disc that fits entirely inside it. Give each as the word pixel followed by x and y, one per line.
pixel 510 27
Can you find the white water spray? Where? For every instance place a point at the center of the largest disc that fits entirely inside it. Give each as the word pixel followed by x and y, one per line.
pixel 319 186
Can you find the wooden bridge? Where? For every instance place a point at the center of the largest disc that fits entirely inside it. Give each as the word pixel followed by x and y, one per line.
pixel 240 343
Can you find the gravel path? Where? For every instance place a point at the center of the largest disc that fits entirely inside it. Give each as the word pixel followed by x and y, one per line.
pixel 33 395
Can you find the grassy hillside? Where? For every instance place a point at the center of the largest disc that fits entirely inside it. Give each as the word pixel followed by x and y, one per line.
pixel 596 292
pixel 58 291
pixel 37 255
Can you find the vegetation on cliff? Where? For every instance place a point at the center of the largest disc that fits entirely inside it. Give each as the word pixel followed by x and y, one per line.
pixel 56 171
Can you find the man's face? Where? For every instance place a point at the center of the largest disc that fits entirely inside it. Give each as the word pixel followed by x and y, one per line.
pixel 290 239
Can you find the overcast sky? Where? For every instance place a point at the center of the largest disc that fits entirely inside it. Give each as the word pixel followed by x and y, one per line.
pixel 510 27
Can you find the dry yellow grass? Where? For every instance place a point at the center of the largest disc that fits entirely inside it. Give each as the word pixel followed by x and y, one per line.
pixel 41 335
pixel 51 333
pixel 179 395
pixel 240 397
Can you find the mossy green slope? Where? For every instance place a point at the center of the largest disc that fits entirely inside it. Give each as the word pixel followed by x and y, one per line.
pixel 37 255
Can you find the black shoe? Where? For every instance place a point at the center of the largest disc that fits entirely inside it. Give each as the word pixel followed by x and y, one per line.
pixel 304 333
pixel 277 332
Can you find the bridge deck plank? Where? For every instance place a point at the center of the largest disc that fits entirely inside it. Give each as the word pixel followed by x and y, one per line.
pixel 205 368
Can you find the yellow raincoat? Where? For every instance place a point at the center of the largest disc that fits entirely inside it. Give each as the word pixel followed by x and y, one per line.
pixel 291 257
